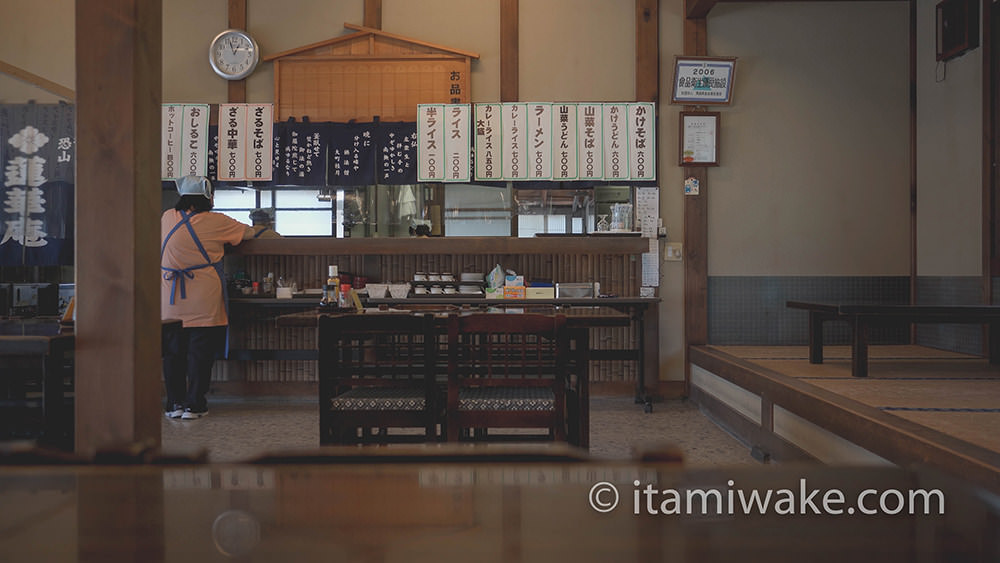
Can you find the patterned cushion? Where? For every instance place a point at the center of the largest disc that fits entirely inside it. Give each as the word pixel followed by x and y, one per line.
pixel 379 399
pixel 506 399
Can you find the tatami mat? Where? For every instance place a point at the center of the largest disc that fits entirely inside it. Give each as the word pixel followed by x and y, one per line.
pixel 953 393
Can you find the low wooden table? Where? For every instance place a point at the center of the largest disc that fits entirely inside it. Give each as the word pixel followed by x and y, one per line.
pixel 863 316
pixel 579 320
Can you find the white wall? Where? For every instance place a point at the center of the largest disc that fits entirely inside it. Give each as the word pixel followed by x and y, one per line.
pixel 814 153
pixel 39 38
pixel 949 153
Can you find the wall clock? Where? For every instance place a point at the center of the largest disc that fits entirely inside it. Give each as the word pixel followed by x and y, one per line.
pixel 234 54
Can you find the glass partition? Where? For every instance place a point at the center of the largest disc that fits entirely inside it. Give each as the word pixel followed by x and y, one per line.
pixel 452 210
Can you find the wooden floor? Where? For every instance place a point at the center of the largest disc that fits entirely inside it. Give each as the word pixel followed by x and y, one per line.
pixel 918 404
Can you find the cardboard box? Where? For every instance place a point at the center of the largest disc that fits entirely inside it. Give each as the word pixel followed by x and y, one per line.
pixel 514 281
pixel 540 293
pixel 513 292
pixel 494 293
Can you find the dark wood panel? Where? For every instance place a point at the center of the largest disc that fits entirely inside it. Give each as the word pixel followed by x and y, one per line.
pixel 314 246
pixel 237 20
pixel 647 51
pixel 698 8
pixel 373 14
pixel 509 51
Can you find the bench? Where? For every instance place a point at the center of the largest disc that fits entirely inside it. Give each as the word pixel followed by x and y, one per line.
pixel 862 317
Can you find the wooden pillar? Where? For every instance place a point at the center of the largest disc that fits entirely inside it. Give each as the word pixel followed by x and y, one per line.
pixel 695 227
pixel 238 20
pixel 509 51
pixel 647 89
pixel 118 86
pixel 373 14
pixel 647 51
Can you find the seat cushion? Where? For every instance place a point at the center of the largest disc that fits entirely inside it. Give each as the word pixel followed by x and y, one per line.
pixel 379 399
pixel 506 399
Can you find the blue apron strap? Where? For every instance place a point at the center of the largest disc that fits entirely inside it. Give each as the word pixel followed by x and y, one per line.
pixel 177 275
pixel 260 232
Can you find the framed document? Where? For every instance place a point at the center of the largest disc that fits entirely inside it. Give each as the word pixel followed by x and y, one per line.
pixel 699 141
pixel 703 80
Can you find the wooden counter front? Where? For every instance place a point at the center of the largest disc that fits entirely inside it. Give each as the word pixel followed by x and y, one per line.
pixel 319 246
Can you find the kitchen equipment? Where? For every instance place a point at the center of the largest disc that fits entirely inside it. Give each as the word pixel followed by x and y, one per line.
pixel 575 290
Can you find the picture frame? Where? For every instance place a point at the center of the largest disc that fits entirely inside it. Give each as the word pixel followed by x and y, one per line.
pixel 703 80
pixel 699 138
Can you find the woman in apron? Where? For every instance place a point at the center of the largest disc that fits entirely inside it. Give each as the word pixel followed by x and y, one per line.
pixel 193 290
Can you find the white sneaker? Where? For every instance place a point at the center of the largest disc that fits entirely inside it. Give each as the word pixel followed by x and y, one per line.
pixel 193 415
pixel 178 412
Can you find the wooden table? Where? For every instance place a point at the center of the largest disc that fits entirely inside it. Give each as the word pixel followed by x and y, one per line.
pixel 485 509
pixel 50 343
pixel 863 316
pixel 579 320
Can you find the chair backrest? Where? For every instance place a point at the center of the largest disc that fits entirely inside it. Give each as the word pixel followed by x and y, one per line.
pixel 376 350
pixel 500 349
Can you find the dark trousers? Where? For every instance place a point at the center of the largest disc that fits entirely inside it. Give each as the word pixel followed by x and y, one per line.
pixel 188 355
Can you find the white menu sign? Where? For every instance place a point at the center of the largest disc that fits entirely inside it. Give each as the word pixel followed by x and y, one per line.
pixel 260 144
pixel 430 142
pixel 615 142
pixel 170 141
pixel 183 140
pixel 457 142
pixel 591 144
pixel 194 140
pixel 245 142
pixel 487 133
pixel 642 141
pixel 232 142
pixel 515 139
pixel 564 139
pixel 539 117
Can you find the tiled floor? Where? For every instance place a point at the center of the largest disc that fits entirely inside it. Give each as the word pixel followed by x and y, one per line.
pixel 240 428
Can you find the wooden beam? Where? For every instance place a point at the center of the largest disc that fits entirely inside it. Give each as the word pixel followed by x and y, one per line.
pixel 238 20
pixel 698 9
pixel 913 158
pixel 647 51
pixel 373 14
pixel 118 83
pixel 695 227
pixel 35 80
pixel 509 51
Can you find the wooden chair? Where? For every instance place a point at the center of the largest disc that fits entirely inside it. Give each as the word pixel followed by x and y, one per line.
pixel 507 371
pixel 376 371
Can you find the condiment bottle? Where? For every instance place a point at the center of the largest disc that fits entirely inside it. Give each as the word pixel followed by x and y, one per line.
pixel 332 288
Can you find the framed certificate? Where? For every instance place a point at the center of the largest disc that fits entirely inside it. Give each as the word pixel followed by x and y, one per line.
pixel 699 138
pixel 703 80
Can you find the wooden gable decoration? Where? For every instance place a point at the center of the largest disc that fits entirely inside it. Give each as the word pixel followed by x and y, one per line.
pixel 368 74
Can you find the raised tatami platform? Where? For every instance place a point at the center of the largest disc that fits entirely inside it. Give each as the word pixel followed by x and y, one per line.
pixel 918 405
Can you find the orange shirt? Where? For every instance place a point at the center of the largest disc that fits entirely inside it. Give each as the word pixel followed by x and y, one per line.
pixel 204 305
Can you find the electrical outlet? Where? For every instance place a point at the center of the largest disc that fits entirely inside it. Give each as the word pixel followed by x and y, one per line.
pixel 673 251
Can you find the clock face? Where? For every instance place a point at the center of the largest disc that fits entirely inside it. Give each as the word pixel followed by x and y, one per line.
pixel 233 54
